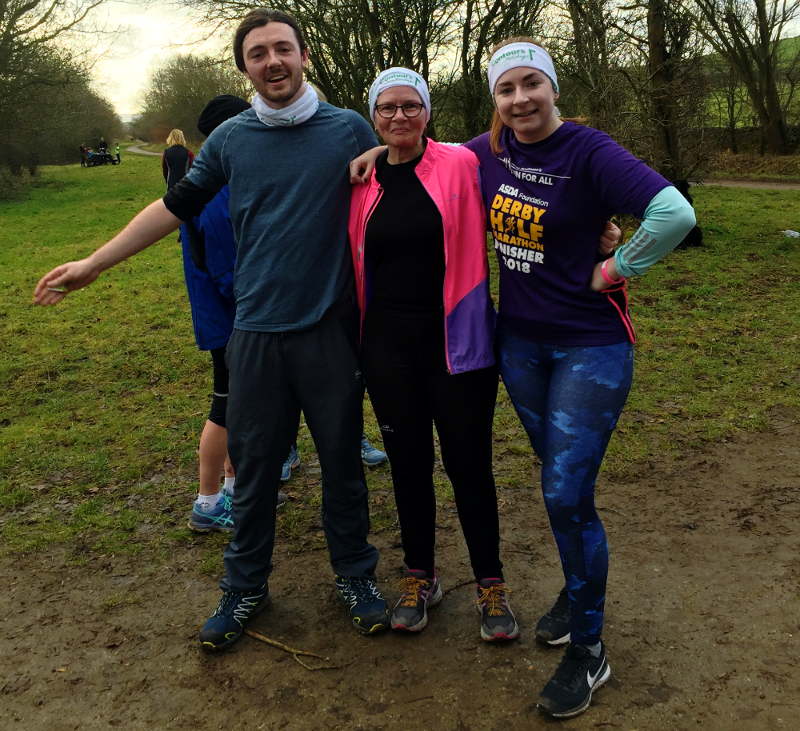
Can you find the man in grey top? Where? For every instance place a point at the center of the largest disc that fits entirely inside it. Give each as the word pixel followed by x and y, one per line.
pixel 295 337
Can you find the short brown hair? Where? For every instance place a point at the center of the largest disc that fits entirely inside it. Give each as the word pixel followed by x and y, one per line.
pixel 257 19
pixel 497 124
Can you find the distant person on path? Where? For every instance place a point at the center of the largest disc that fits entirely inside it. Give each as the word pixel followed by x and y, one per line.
pixel 295 339
pixel 176 159
pixel 116 149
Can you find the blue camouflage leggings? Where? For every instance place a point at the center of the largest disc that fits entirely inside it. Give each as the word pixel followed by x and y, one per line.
pixel 569 398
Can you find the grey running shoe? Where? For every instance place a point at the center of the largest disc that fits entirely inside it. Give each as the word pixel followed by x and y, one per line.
pixel 497 619
pixel 553 627
pixel 569 691
pixel 417 593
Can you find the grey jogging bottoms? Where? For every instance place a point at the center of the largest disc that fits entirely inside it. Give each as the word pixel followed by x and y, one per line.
pixel 272 377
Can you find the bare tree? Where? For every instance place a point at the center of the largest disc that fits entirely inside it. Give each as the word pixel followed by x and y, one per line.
pixel 671 57
pixel 789 80
pixel 351 41
pixel 446 41
pixel 635 70
pixel 747 35
pixel 591 54
pixel 728 96
pixel 482 24
pixel 34 64
pixel 26 26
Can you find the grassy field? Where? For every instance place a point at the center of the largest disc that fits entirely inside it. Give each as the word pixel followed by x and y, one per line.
pixel 103 397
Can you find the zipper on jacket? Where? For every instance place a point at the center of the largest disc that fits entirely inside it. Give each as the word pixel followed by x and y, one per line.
pixel 444 243
pixel 366 221
pixel 362 258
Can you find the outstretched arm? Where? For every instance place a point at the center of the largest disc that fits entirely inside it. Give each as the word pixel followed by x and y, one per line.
pixel 149 226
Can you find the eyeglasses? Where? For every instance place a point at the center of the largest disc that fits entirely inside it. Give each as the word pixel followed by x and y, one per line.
pixel 387 111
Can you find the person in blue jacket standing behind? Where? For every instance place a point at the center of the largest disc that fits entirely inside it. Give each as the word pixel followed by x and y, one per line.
pixel 209 258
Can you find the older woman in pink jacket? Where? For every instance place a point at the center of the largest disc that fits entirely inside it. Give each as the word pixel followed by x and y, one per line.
pixel 417 231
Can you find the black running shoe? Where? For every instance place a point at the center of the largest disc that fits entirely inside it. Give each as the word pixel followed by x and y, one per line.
pixel 553 627
pixel 497 620
pixel 226 625
pixel 569 692
pixel 417 593
pixel 368 610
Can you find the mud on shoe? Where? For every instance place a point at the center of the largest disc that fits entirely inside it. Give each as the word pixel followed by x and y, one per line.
pixel 569 691
pixel 368 610
pixel 553 628
pixel 226 625
pixel 497 620
pixel 417 593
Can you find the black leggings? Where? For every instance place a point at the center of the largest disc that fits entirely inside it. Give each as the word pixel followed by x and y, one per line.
pixel 404 367
pixel 219 401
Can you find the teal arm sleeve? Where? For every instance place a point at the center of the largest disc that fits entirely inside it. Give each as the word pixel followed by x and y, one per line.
pixel 667 220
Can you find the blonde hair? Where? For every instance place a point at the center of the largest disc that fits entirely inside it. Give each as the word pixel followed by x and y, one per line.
pixel 176 138
pixel 497 124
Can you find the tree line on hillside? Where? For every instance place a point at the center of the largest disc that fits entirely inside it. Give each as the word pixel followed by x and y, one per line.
pixel 47 104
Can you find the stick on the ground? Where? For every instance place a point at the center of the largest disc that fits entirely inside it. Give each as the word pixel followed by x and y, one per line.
pixel 612 510
pixel 294 653
pixel 458 586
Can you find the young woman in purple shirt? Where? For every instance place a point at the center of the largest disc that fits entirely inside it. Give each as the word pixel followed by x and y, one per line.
pixel 564 337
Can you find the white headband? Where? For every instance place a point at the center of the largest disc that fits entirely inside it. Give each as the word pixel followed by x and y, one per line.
pixel 399 77
pixel 515 55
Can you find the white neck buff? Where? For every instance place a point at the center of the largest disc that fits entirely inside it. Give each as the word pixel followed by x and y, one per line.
pixel 297 113
pixel 515 55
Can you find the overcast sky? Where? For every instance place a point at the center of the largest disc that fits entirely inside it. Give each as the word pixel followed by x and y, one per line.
pixel 151 33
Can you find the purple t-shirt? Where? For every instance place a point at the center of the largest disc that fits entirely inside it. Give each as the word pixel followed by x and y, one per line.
pixel 547 204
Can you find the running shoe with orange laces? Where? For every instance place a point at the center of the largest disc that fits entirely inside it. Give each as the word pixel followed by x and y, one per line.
pixel 417 593
pixel 497 620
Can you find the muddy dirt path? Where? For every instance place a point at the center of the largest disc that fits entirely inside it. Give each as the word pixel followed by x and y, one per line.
pixel 136 149
pixel 756 184
pixel 702 628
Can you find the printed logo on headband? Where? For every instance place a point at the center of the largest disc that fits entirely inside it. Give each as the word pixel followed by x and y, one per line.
pixel 520 54
pixel 400 77
pixel 516 55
